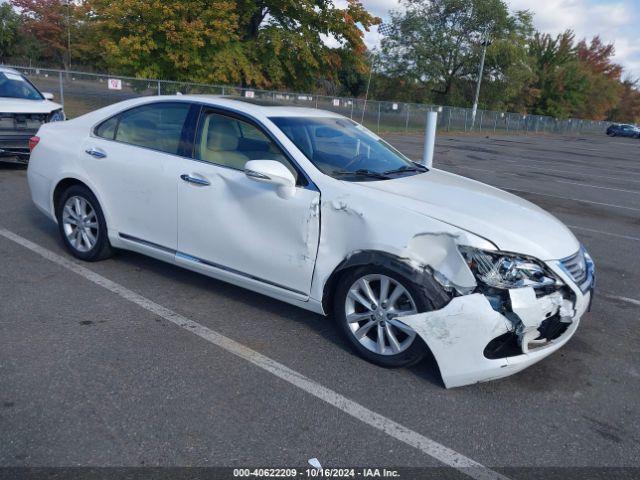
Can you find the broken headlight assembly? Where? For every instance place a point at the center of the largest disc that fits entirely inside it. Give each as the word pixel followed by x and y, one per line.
pixel 507 270
pixel 56 116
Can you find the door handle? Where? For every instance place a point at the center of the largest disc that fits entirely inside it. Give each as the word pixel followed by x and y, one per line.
pixel 95 152
pixel 195 180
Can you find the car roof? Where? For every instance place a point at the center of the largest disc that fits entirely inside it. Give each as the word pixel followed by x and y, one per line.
pixel 9 70
pixel 259 112
pixel 255 108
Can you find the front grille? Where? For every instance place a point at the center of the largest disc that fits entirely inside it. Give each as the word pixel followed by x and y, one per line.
pixel 576 267
pixel 13 123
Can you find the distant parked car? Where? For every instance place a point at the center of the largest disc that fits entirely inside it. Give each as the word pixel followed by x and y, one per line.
pixel 23 108
pixel 623 130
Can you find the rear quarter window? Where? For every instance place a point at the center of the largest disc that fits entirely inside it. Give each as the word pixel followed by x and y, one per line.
pixel 107 129
pixel 157 126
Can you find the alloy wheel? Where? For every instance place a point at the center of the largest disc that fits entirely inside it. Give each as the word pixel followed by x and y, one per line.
pixel 372 308
pixel 80 223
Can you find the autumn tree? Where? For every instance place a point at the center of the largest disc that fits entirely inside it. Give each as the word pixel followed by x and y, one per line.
pixel 270 43
pixel 603 79
pixel 49 22
pixel 627 108
pixel 573 79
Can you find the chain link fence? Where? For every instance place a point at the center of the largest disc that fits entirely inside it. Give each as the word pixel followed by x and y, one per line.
pixel 81 92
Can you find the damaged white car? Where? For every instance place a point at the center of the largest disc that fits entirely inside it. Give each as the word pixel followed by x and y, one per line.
pixel 313 209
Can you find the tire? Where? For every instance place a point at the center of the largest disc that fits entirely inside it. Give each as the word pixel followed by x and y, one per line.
pixel 413 349
pixel 80 246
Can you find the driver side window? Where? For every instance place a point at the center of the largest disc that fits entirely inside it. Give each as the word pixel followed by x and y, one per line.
pixel 231 143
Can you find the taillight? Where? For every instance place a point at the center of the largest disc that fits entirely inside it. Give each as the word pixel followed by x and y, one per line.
pixel 33 141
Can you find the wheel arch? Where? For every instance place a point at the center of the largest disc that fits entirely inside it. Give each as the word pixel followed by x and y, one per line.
pixel 67 181
pixel 63 185
pixel 402 266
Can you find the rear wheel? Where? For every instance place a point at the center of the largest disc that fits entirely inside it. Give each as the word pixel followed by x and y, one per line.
pixel 369 304
pixel 82 225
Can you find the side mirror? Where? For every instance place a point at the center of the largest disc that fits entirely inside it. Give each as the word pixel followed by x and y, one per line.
pixel 275 173
pixel 47 95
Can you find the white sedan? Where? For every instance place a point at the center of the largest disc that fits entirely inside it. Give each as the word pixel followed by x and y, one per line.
pixel 23 108
pixel 311 208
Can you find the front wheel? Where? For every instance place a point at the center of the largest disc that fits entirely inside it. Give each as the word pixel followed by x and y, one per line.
pixel 369 305
pixel 82 225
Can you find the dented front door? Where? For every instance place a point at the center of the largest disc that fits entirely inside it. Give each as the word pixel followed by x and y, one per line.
pixel 232 222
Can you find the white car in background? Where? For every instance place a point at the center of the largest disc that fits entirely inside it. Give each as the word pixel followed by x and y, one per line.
pixel 311 208
pixel 23 108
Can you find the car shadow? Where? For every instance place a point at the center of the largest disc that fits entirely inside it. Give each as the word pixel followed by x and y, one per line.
pixel 8 165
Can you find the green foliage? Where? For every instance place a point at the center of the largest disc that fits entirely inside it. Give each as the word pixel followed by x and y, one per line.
pixel 436 46
pixel 627 108
pixel 10 30
pixel 431 55
pixel 573 80
pixel 270 43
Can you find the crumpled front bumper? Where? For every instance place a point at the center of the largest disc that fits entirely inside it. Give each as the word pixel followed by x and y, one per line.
pixel 15 147
pixel 458 334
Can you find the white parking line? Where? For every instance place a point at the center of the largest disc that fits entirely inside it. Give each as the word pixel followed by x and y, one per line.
pixel 529 170
pixel 597 186
pixel 613 205
pixel 601 232
pixel 632 301
pixel 591 168
pixel 414 439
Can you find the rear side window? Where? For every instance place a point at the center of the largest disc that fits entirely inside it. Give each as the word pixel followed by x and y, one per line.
pixel 107 129
pixel 157 126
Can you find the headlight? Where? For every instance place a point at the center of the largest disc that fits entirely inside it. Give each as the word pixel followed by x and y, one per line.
pixel 506 270
pixel 56 116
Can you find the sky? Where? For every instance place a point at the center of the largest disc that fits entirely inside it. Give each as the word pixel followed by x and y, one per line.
pixel 616 21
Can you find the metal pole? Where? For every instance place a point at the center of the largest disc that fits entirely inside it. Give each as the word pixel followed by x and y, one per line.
pixel 159 89
pixel 406 123
pixel 69 34
pixel 61 88
pixel 429 139
pixel 379 105
pixel 366 93
pixel 477 96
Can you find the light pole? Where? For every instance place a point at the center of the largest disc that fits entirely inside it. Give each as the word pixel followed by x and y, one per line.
pixel 69 34
pixel 485 44
pixel 384 29
pixel 366 94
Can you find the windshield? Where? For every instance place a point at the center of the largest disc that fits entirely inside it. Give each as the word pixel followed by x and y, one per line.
pixel 343 149
pixel 13 85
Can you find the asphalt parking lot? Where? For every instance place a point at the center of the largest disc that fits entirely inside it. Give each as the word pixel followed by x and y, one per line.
pixel 90 377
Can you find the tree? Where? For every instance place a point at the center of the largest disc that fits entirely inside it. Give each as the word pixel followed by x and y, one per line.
pixel 262 43
pixel 9 31
pixel 49 22
pixel 604 87
pixel 628 106
pixel 178 40
pixel 437 44
pixel 573 80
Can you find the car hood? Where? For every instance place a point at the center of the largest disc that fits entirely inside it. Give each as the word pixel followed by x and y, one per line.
pixel 510 222
pixel 20 105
